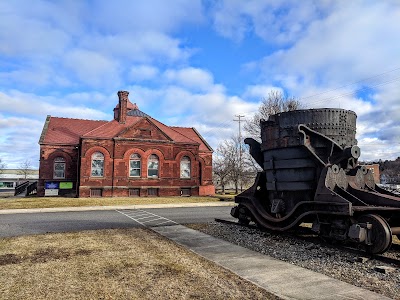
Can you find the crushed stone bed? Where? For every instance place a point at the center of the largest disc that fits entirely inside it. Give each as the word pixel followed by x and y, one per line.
pixel 315 256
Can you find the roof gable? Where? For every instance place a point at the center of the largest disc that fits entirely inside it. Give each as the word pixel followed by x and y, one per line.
pixel 173 133
pixel 111 129
pixel 144 129
pixel 194 135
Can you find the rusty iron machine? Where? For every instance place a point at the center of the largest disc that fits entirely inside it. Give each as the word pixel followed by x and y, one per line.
pixel 311 174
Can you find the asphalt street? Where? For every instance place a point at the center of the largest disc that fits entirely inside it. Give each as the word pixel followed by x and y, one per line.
pixel 39 223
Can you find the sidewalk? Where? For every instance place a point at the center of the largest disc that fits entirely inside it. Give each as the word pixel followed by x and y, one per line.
pixel 111 207
pixel 280 278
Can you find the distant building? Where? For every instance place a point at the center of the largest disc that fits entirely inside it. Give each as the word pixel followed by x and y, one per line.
pixel 10 178
pixel 374 168
pixel 132 155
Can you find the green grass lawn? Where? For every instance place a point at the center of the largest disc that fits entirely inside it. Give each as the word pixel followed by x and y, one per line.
pixel 45 202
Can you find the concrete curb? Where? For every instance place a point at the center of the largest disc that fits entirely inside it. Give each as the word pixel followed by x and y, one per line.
pixel 111 207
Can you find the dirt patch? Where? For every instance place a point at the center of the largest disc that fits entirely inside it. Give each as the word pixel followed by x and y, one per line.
pixel 9 258
pixel 113 264
pixel 41 256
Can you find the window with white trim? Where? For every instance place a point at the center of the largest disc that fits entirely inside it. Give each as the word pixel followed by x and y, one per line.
pixel 135 165
pixel 59 168
pixel 185 167
pixel 152 166
pixel 97 164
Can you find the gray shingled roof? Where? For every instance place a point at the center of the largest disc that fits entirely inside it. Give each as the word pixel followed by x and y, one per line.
pixel 136 113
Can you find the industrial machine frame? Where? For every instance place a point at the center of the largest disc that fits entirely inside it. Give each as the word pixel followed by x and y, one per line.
pixel 311 174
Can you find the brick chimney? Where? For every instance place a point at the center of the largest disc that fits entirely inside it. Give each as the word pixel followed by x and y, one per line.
pixel 123 106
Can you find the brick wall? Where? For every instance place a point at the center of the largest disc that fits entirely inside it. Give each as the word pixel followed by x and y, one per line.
pixel 46 166
pixel 116 181
pixel 374 168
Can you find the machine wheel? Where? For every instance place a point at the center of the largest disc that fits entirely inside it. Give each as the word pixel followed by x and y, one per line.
pixel 381 234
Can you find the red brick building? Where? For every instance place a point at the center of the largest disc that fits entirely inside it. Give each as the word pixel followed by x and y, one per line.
pixel 132 155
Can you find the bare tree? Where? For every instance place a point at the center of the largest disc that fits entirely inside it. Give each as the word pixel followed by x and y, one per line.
pixel 2 166
pixel 24 168
pixel 222 165
pixel 220 173
pixel 276 102
pixel 235 159
pixel 228 168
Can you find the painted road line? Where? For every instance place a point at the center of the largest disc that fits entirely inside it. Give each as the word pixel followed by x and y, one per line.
pixel 143 218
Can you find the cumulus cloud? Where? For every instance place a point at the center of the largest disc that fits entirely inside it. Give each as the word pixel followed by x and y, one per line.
pixel 277 22
pixel 37 107
pixel 92 41
pixel 30 37
pixel 93 68
pixel 142 72
pixel 210 111
pixel 333 61
pixel 150 15
pixel 138 47
pixel 68 58
pixel 259 91
pixel 20 134
pixel 193 78
pixel 23 115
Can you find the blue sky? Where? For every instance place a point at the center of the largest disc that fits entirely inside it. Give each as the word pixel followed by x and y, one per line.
pixel 197 64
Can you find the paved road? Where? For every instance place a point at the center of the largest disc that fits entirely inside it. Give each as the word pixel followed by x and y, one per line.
pixel 36 223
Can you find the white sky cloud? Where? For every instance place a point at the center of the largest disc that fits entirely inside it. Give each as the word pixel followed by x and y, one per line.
pixel 37 107
pixel 273 21
pixel 69 58
pixel 93 68
pixel 334 53
pixel 150 15
pixel 259 91
pixel 193 78
pixel 143 72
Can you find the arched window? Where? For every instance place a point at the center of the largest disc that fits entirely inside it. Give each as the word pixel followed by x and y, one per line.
pixel 97 164
pixel 59 168
pixel 152 166
pixel 134 165
pixel 185 167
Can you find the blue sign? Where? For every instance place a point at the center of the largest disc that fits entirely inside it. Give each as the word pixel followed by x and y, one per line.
pixel 51 185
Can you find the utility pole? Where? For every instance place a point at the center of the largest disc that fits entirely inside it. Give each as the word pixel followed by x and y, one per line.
pixel 239 120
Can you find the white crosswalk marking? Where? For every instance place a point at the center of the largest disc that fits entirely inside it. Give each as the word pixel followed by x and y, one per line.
pixel 146 218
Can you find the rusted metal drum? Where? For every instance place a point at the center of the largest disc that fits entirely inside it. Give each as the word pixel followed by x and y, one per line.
pixel 288 164
pixel 281 130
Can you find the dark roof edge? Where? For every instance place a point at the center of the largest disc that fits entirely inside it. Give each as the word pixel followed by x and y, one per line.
pixel 44 130
pixel 203 140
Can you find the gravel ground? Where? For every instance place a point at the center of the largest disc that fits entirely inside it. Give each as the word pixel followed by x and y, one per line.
pixel 313 254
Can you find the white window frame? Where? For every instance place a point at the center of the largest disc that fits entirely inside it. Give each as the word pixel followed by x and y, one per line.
pixel 59 166
pixel 185 169
pixel 135 157
pixel 97 171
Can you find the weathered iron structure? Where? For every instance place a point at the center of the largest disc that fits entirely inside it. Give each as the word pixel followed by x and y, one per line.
pixel 311 174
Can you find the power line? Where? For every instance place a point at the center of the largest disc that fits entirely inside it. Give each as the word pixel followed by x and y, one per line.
pixel 353 83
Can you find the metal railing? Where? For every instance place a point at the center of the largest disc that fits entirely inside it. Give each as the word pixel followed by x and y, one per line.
pixel 26 187
pixel 31 188
pixel 20 188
